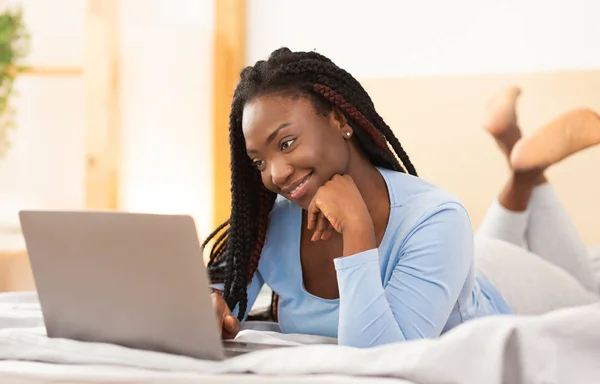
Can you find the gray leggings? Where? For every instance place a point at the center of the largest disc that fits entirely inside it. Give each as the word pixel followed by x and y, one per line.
pixel 536 258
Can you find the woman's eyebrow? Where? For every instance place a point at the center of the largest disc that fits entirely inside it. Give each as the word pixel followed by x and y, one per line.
pixel 271 136
pixel 276 131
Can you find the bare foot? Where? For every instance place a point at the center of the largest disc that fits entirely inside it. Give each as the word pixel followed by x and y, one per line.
pixel 501 122
pixel 501 118
pixel 569 133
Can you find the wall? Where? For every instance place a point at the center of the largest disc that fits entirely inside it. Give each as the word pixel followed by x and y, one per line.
pixel 45 167
pixel 166 121
pixel 165 163
pixel 166 112
pixel 430 67
pixel 393 38
pixel 442 134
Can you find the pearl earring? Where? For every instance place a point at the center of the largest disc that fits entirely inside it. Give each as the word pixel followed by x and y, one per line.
pixel 348 134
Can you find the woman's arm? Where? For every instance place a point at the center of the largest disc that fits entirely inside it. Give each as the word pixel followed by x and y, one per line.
pixel 253 289
pixel 431 270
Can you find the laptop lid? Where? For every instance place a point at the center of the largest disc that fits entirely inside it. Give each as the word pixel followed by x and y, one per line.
pixel 132 279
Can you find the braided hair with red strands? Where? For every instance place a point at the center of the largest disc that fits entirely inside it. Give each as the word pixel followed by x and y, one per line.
pixel 238 242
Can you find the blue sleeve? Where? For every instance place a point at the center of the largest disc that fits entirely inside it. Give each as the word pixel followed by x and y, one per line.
pixel 253 289
pixel 422 291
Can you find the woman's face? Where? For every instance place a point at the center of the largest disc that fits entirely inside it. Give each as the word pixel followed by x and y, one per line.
pixel 295 149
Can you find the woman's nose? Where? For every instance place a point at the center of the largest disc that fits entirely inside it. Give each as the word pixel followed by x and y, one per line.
pixel 280 173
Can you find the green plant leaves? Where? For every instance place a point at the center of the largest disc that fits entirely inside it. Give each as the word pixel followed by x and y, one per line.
pixel 14 45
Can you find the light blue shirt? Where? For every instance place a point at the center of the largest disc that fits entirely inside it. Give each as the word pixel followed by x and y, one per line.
pixel 419 282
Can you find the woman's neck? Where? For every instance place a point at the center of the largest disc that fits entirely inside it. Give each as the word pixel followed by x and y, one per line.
pixel 372 187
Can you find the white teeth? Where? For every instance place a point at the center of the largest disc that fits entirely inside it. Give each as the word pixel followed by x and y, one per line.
pixel 298 187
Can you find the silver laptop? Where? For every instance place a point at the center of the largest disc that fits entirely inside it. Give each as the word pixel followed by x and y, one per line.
pixel 136 280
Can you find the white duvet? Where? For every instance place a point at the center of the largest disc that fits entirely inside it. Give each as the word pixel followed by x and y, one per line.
pixel 560 347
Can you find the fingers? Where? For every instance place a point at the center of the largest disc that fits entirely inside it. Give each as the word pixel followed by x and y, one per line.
pixel 231 327
pixel 318 221
pixel 322 224
pixel 226 322
pixel 220 307
pixel 328 231
pixel 312 215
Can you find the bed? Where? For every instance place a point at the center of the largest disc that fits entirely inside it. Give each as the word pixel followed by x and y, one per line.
pixel 559 347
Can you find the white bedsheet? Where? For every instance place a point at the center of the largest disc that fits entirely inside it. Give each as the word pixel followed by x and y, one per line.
pixel 560 347
pixel 25 372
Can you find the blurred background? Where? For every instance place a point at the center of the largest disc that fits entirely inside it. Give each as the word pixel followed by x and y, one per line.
pixel 123 104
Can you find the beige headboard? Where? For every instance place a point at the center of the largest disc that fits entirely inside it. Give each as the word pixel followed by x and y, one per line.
pixel 438 121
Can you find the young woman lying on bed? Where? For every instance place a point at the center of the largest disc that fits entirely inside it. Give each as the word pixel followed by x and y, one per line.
pixel 328 211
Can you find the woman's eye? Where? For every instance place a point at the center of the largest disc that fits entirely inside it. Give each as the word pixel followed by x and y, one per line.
pixel 259 163
pixel 286 144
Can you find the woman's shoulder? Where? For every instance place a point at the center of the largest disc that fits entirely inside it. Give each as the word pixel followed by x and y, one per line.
pixel 412 191
pixel 425 215
pixel 283 219
pixel 281 241
pixel 414 200
pixel 282 209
